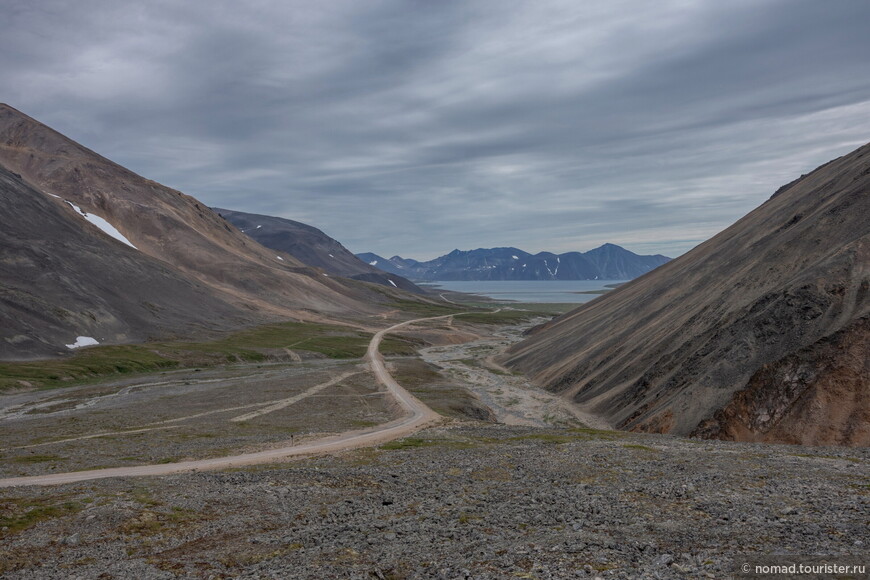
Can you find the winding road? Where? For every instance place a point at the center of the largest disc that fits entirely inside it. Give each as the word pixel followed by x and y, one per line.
pixel 417 416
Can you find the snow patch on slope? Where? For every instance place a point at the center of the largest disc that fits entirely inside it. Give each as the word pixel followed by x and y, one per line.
pixel 391 282
pixel 107 228
pixel 83 341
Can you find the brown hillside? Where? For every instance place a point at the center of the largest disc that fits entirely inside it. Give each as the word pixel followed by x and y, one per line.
pixel 173 227
pixel 60 278
pixel 722 325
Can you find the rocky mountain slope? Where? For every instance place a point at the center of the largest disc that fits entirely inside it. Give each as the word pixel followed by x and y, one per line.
pixel 760 333
pixel 311 246
pixel 192 268
pixel 61 277
pixel 384 264
pixel 608 262
pixel 169 225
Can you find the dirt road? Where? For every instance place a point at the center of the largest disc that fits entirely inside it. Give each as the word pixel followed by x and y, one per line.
pixel 417 416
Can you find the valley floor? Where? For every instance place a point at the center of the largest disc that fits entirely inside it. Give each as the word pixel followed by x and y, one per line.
pixel 539 495
pixel 457 502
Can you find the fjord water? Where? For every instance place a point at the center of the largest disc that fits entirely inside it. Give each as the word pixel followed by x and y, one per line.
pixel 554 291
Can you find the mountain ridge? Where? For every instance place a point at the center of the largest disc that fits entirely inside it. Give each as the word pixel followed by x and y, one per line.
pixel 310 246
pixel 607 262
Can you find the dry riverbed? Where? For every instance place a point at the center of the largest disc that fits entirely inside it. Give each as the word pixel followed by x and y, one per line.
pixel 511 397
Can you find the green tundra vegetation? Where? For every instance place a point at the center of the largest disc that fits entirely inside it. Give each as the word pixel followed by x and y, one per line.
pixel 257 344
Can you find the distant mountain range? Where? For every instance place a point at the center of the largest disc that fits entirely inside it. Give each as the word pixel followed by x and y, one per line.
pixel 608 262
pixel 311 246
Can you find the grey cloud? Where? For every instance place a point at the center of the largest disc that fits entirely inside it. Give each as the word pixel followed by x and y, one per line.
pixel 416 127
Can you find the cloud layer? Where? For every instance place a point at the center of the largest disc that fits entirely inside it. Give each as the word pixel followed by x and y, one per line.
pixel 416 127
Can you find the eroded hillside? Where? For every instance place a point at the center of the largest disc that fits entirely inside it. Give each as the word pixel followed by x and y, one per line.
pixel 667 351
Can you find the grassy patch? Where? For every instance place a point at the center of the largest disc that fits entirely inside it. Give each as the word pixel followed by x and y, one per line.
pixel 553 438
pixel 249 345
pixel 145 497
pixel 467 518
pixel 364 456
pixel 491 474
pixel 514 314
pixel 545 308
pixel 428 308
pixel 641 447
pixel 415 442
pixel 501 317
pixel 244 558
pixel 598 433
pixel 841 457
pixel 38 458
pixel 426 383
pixel 414 374
pixel 409 443
pixel 573 434
pixel 19 514
pixel 150 522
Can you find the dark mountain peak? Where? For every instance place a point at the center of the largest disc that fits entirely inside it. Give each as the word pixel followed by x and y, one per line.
pixel 608 247
pixel 312 247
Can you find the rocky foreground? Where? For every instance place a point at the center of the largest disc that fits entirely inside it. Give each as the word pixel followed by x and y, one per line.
pixel 456 502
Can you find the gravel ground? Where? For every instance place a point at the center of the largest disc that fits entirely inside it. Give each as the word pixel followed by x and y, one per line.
pixel 462 501
pixel 512 398
pixel 186 414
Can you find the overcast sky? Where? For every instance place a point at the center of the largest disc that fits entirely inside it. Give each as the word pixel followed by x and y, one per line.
pixel 417 127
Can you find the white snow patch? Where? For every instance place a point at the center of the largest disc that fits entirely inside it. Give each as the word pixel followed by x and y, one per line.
pixel 327 275
pixel 53 195
pixel 547 266
pixel 102 224
pixel 83 341
pixel 258 227
pixel 515 257
pixel 375 263
pixel 280 258
pixel 391 282
pixel 331 256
